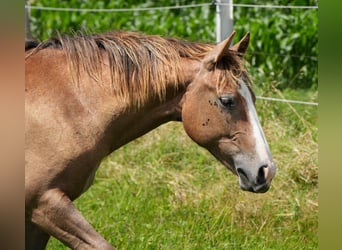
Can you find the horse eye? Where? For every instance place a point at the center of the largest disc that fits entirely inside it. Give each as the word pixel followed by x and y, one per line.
pixel 227 101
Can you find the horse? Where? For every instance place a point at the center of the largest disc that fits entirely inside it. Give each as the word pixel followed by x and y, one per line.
pixel 87 95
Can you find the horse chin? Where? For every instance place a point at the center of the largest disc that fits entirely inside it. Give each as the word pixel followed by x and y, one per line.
pixel 245 185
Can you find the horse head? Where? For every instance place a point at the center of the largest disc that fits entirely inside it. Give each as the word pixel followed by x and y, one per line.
pixel 218 113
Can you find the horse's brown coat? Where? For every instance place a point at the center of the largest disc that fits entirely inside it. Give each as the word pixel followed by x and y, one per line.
pixel 87 96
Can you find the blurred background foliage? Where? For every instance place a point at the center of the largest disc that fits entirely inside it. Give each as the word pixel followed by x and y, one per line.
pixel 283 50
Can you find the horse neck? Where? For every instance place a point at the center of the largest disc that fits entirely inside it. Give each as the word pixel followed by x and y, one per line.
pixel 134 123
pixel 170 108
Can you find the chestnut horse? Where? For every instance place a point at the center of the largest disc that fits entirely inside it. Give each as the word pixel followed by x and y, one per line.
pixel 88 95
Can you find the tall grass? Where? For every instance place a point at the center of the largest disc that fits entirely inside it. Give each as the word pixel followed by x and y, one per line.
pixel 162 191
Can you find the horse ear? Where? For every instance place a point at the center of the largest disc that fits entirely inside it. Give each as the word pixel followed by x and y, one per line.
pixel 218 52
pixel 242 45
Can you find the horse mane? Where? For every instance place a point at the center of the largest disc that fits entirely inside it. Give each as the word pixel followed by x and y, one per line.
pixel 141 65
pixel 30 44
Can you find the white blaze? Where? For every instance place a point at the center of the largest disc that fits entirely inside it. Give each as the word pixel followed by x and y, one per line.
pixel 261 146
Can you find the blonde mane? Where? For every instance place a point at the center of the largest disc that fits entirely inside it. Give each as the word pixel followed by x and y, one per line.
pixel 142 66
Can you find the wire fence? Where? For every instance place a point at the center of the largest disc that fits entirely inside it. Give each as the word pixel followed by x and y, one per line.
pixel 287 101
pixel 169 7
pixel 46 8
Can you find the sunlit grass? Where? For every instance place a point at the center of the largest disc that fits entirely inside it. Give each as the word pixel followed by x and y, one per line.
pixel 162 191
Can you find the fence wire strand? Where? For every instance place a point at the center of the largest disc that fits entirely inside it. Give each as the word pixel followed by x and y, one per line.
pixel 119 9
pixel 267 6
pixel 285 100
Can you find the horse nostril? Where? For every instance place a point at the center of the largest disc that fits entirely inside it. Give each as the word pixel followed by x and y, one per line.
pixel 261 178
pixel 242 173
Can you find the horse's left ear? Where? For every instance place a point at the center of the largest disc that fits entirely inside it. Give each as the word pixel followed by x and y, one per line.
pixel 218 52
pixel 242 45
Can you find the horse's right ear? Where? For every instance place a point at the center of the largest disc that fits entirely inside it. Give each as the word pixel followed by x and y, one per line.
pixel 218 52
pixel 242 45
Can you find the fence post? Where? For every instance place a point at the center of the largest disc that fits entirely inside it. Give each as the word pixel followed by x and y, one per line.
pixel 27 21
pixel 224 19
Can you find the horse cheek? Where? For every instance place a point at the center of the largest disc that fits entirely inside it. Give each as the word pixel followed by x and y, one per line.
pixel 194 125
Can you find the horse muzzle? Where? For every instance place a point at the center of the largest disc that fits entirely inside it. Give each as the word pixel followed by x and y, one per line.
pixel 256 180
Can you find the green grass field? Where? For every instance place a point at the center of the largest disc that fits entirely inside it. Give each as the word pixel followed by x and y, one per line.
pixel 162 191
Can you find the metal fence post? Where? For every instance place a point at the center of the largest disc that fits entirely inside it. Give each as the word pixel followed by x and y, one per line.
pixel 224 19
pixel 27 21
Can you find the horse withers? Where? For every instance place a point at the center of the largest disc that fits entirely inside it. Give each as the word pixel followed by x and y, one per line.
pixel 88 95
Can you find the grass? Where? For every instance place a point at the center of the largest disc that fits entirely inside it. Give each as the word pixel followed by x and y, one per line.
pixel 162 191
